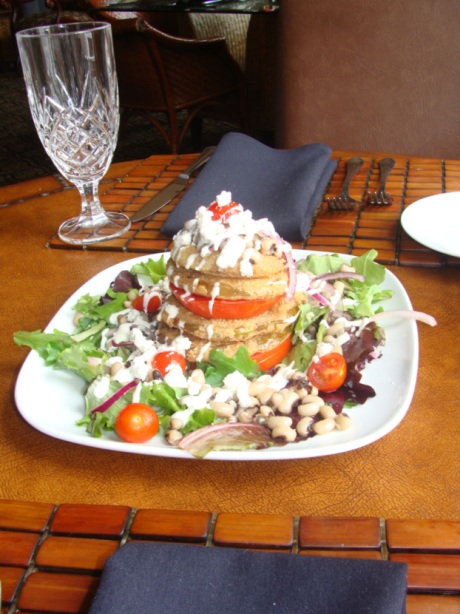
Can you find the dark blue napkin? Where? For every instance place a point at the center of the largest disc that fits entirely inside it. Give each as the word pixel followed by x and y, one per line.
pixel 161 578
pixel 284 185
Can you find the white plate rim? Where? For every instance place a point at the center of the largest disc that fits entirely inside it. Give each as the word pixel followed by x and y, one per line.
pixel 400 355
pixel 431 219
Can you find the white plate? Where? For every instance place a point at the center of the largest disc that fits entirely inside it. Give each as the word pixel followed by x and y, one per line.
pixel 435 222
pixel 52 401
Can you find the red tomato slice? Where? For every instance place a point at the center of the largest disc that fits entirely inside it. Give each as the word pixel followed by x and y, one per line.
pixel 226 309
pixel 162 361
pixel 153 305
pixel 137 423
pixel 271 358
pixel 328 373
pixel 223 212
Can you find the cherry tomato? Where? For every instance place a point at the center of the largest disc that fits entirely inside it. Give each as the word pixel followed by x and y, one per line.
pixel 153 305
pixel 223 212
pixel 222 308
pixel 270 358
pixel 328 373
pixel 163 361
pixel 136 423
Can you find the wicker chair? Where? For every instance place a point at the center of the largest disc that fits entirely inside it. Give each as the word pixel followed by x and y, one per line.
pixel 159 73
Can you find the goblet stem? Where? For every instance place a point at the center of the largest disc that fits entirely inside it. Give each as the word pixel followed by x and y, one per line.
pixel 91 207
pixel 94 224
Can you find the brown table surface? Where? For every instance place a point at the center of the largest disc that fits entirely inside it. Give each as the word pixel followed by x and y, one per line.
pixel 412 473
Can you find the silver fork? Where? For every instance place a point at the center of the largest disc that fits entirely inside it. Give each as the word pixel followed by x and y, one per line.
pixel 382 197
pixel 345 202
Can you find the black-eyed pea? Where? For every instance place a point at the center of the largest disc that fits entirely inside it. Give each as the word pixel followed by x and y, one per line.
pixel 223 410
pixel 197 376
pixel 303 426
pixel 173 437
pixel 265 395
pixel 176 424
pixel 328 339
pixel 115 367
pixel 287 402
pixel 346 268
pixel 276 421
pixel 335 329
pixel 267 245
pixel 127 304
pixel 326 411
pixel 256 387
pixel 122 319
pixel 246 416
pixel 313 398
pixel 285 433
pixel 303 392
pixel 322 427
pixel 343 422
pixel 132 295
pixel 276 399
pixel 266 411
pixel 308 409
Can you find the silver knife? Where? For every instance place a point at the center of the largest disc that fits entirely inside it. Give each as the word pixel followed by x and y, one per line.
pixel 176 186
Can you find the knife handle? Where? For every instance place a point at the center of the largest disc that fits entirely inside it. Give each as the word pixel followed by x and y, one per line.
pixel 198 163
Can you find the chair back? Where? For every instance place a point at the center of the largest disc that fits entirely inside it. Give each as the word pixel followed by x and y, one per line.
pixel 160 72
pixel 370 75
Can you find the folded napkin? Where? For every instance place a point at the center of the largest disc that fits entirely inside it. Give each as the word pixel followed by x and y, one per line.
pixel 161 578
pixel 283 185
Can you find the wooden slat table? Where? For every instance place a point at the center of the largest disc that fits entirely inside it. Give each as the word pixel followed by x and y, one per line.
pixel 52 556
pixel 85 503
pixel 352 232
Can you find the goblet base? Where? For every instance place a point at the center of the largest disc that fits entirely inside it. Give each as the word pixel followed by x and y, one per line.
pixel 83 230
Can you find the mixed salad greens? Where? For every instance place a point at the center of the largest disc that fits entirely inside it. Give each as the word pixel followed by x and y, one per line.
pixel 104 337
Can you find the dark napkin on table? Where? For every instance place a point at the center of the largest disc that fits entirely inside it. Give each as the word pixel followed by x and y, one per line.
pixel 284 185
pixel 164 578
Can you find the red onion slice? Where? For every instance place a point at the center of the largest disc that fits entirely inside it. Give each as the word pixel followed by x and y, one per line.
pixel 339 275
pixel 321 300
pixel 111 400
pixel 404 313
pixel 227 436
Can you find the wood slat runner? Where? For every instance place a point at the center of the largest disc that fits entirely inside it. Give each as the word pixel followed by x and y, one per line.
pixel 52 556
pixel 352 232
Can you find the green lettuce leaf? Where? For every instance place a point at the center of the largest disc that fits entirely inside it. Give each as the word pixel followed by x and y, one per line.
pixel 155 269
pixel 60 351
pixel 220 365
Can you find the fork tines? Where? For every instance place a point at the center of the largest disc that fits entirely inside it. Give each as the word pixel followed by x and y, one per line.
pixel 338 203
pixel 379 198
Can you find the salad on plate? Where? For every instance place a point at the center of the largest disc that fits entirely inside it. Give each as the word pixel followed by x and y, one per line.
pixel 135 348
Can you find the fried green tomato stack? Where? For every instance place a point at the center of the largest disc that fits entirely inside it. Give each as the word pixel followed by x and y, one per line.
pixel 223 307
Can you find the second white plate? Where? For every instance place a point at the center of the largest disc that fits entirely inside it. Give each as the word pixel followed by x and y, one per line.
pixel 434 221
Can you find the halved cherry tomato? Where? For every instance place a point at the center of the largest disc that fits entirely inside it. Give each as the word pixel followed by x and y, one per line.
pixel 328 373
pixel 270 358
pixel 137 423
pixel 226 309
pixel 153 305
pixel 163 361
pixel 223 212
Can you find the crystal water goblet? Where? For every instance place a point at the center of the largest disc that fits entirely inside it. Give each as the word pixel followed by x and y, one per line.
pixel 71 82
